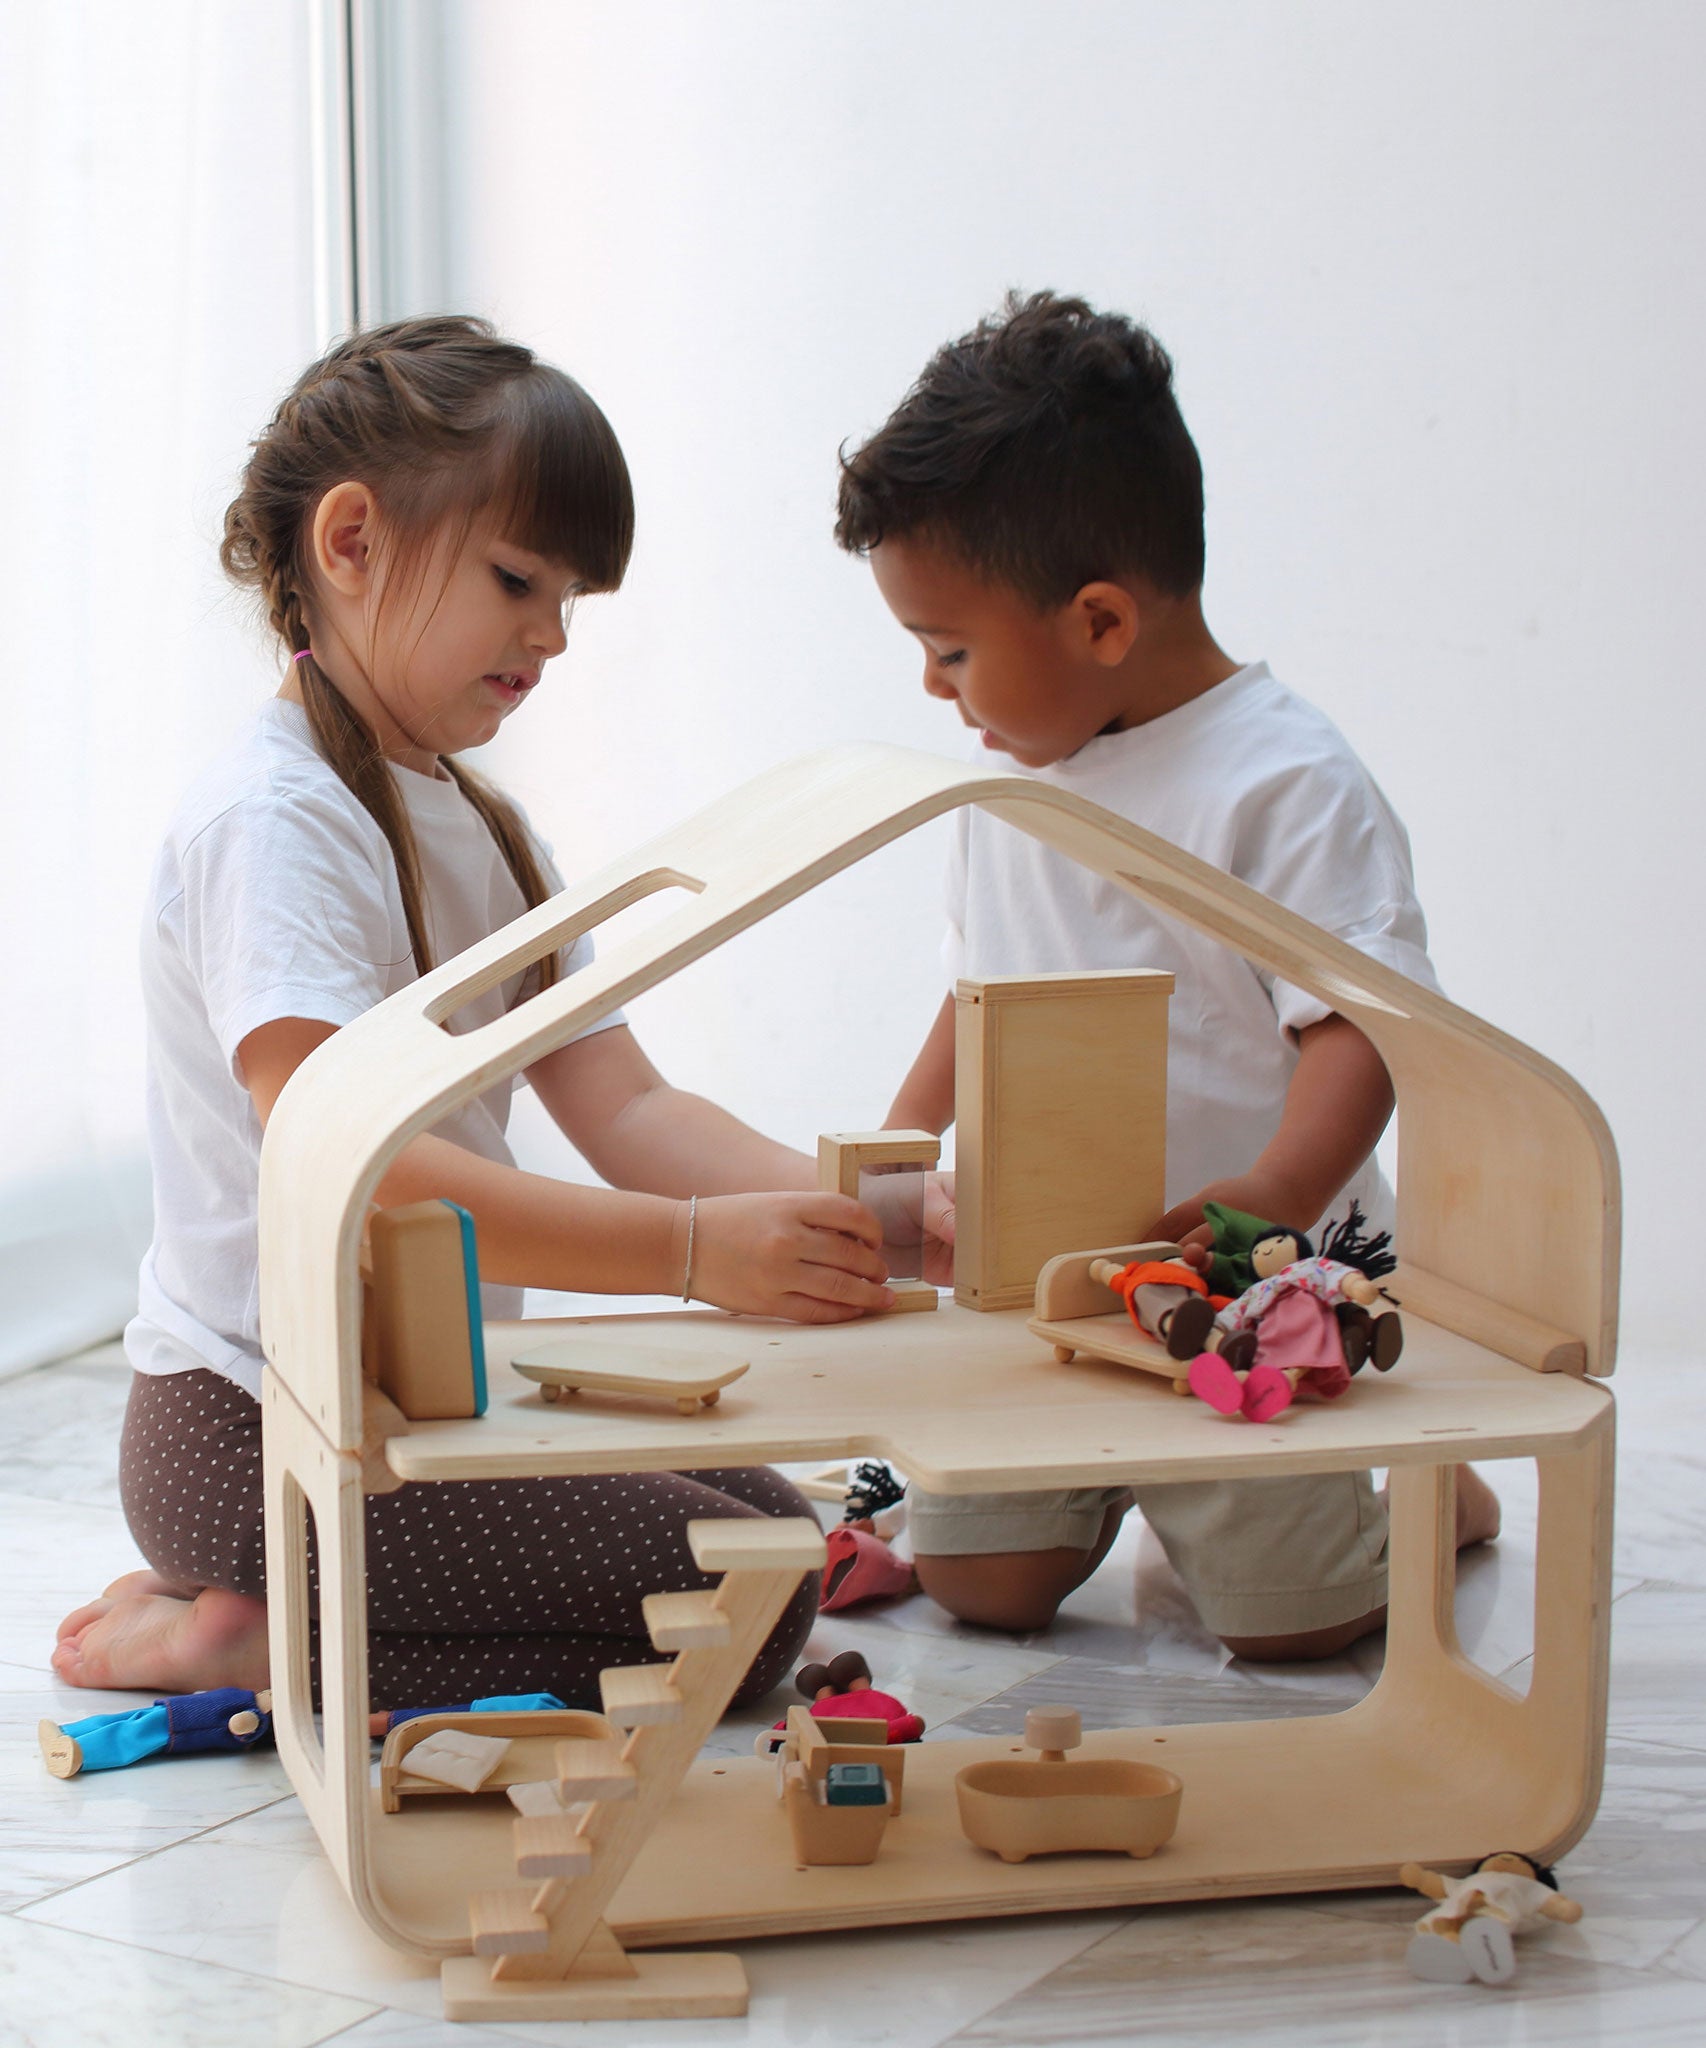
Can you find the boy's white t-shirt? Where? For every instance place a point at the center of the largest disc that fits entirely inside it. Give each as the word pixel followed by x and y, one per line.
pixel 1257 782
pixel 276 895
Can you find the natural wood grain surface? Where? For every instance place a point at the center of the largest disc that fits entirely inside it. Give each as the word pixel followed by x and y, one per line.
pixel 1060 1122
pixel 1508 1195
pixel 964 1403
pixel 670 1987
pixel 1438 1761
pixel 1508 1183
pixel 684 1621
pixel 635 1368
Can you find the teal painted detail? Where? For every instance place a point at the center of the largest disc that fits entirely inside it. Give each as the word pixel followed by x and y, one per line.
pixel 476 1316
pixel 855 1785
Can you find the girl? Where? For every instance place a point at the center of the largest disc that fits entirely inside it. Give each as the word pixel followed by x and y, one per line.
pixel 417 519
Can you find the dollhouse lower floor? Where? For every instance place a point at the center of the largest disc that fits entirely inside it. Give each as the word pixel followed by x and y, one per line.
pixel 190 1903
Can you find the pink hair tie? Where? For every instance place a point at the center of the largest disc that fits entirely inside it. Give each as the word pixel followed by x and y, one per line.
pixel 303 656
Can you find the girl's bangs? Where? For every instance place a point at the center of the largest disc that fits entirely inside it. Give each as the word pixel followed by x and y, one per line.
pixel 560 486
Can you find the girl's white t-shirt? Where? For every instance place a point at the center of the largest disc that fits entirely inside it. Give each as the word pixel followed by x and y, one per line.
pixel 1254 780
pixel 276 895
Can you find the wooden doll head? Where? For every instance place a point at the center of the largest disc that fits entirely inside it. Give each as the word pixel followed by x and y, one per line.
pixel 1516 1864
pixel 847 1673
pixel 1279 1249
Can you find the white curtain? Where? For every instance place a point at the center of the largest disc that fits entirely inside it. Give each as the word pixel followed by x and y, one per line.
pixel 156 294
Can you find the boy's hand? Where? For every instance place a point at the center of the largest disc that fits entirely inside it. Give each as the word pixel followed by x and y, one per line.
pixel 939 1229
pixel 918 1228
pixel 1336 1107
pixel 1255 1193
pixel 813 1258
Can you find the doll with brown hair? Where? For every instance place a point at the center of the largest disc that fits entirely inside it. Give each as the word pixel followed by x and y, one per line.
pixel 418 520
pixel 841 1690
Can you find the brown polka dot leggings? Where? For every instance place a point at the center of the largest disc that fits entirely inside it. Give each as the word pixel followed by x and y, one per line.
pixel 474 1586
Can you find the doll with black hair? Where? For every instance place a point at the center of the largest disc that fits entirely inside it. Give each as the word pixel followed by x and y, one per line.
pixel 1469 1934
pixel 1310 1314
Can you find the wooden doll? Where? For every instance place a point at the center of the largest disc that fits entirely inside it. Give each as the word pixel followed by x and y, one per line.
pixel 842 1690
pixel 227 1719
pixel 1310 1315
pixel 1470 1933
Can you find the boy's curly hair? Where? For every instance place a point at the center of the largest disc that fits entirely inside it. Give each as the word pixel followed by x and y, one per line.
pixel 1045 450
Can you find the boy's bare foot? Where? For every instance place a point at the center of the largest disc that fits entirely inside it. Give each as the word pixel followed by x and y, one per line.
pixel 147 1640
pixel 1477 1509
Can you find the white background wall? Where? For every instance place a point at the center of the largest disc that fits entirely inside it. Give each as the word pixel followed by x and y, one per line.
pixel 1433 278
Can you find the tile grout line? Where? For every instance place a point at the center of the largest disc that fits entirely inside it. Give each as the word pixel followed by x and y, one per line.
pixel 338 2033
pixel 258 1976
pixel 1030 1987
pixel 1670 1947
pixel 126 1863
pixel 206 1963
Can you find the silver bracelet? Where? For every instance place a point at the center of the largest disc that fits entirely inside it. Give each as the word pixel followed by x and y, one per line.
pixel 687 1276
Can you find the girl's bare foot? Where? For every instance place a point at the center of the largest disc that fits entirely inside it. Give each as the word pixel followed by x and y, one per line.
pixel 146 1640
pixel 131 1585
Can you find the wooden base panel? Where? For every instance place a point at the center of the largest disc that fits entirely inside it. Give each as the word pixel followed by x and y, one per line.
pixel 1268 1808
pixel 663 1987
pixel 1322 1803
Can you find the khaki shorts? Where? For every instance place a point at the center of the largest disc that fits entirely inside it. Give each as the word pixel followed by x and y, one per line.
pixel 1259 1557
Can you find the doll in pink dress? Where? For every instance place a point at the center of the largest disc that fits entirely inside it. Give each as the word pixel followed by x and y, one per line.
pixel 1310 1315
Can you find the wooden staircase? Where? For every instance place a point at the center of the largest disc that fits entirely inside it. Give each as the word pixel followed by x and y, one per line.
pixel 542 1949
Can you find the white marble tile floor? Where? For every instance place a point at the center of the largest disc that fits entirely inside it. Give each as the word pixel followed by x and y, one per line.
pixel 187 1903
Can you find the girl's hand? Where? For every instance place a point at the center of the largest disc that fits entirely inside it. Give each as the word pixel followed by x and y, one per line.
pixel 812 1258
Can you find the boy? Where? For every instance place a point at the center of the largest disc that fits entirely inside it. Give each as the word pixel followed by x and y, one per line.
pixel 1033 515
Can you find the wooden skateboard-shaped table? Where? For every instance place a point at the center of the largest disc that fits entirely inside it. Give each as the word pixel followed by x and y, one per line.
pixel 598 1365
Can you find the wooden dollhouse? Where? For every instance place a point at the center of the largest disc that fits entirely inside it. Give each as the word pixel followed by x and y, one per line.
pixel 1508 1222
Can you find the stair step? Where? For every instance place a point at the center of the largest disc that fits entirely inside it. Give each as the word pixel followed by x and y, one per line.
pixel 757 1543
pixel 538 1799
pixel 505 1924
pixel 639 1695
pixel 549 1845
pixel 594 1770
pixel 685 1621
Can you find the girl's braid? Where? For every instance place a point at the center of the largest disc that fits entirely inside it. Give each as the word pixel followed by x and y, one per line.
pixel 407 408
